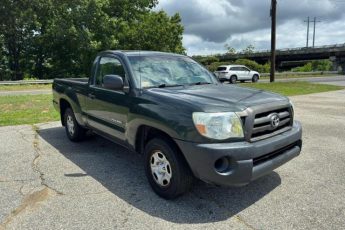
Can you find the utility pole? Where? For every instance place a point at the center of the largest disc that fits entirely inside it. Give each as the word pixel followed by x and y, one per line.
pixel 314 31
pixel 308 22
pixel 273 39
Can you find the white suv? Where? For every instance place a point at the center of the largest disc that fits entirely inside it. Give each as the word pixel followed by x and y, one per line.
pixel 233 73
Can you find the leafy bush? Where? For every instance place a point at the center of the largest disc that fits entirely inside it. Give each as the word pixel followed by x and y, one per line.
pixel 306 68
pixel 207 60
pixel 254 65
pixel 213 67
pixel 322 65
pixel 317 65
pixel 29 77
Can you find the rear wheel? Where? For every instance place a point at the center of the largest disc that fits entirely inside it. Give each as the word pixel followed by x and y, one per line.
pixel 166 170
pixel 233 79
pixel 255 78
pixel 73 130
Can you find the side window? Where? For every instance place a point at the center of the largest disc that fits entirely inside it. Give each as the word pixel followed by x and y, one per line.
pixel 108 66
pixel 245 69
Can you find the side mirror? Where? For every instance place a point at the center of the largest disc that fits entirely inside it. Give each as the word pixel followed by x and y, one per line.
pixel 113 82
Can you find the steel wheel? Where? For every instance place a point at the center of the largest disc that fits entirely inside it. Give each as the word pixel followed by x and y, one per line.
pixel 160 169
pixel 162 159
pixel 73 130
pixel 70 125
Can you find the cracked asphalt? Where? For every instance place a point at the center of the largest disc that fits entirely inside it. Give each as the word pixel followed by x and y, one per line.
pixel 47 182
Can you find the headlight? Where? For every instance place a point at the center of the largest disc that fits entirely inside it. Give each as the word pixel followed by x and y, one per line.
pixel 218 126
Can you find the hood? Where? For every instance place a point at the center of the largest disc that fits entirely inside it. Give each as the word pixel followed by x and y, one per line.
pixel 218 98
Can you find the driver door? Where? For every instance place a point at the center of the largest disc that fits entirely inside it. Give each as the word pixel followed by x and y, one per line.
pixel 107 110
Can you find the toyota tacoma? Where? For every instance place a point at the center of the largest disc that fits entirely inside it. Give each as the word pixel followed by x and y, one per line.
pixel 181 118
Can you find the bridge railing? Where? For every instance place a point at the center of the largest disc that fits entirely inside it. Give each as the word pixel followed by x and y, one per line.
pixel 258 52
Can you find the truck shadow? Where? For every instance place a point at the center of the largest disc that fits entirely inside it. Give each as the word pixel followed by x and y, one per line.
pixel 122 173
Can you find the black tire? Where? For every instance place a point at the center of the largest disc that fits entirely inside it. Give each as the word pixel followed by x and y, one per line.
pixel 79 132
pixel 233 79
pixel 255 78
pixel 181 178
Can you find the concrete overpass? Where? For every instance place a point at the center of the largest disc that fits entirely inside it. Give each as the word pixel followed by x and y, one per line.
pixel 296 56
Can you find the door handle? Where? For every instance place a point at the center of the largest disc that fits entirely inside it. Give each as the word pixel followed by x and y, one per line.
pixel 92 96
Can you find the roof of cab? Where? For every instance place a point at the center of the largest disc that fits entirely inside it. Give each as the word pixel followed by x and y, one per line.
pixel 140 52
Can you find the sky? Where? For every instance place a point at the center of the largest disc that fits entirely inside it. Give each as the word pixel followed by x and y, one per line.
pixel 211 24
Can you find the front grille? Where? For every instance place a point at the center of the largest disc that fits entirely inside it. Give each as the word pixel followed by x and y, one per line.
pixel 269 156
pixel 263 128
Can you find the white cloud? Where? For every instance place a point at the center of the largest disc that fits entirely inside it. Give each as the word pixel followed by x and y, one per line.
pixel 209 25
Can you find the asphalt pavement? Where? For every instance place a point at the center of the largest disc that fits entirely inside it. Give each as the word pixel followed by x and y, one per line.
pixel 47 182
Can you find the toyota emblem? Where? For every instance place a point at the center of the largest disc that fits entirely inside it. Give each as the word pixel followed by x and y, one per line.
pixel 275 120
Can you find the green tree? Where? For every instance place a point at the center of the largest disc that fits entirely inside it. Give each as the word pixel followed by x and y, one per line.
pixel 249 49
pixel 153 31
pixel 207 60
pixel 253 65
pixel 60 38
pixel 17 26
pixel 230 50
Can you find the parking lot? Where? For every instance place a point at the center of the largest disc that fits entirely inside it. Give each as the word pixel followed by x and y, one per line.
pixel 47 182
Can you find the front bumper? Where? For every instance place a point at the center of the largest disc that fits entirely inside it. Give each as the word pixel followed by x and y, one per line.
pixel 246 161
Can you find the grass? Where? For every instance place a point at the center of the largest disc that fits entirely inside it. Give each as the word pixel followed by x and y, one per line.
pixel 287 76
pixel 294 88
pixel 32 109
pixel 25 87
pixel 26 109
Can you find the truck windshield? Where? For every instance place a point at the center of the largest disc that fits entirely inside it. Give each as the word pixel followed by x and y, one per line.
pixel 165 71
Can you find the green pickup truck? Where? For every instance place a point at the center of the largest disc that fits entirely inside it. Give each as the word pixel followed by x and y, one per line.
pixel 181 118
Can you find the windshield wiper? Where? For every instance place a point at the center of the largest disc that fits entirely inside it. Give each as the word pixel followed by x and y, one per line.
pixel 201 83
pixel 167 85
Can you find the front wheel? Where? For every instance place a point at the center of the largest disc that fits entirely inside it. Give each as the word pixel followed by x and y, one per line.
pixel 167 171
pixel 255 78
pixel 73 130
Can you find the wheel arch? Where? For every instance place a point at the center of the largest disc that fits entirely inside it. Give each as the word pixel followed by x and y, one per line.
pixel 64 104
pixel 145 133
